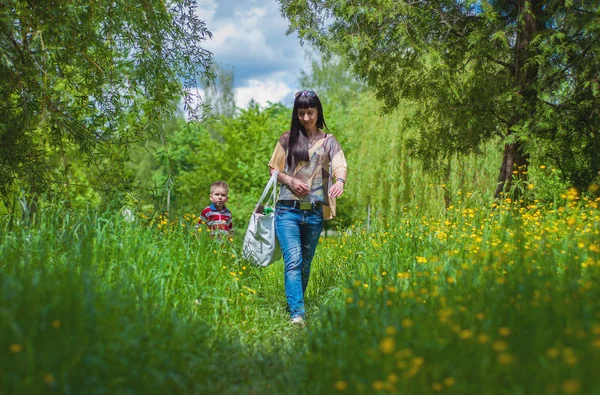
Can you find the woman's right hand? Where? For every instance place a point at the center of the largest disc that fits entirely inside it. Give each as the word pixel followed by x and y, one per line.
pixel 298 187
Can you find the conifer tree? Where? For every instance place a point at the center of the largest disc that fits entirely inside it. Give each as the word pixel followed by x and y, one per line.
pixel 527 71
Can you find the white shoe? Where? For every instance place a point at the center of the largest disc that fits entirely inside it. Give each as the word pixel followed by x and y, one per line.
pixel 298 320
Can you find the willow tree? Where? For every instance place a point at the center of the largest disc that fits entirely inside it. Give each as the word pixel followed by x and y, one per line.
pixel 91 76
pixel 527 71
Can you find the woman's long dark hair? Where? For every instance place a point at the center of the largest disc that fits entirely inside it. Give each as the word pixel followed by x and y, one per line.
pixel 298 143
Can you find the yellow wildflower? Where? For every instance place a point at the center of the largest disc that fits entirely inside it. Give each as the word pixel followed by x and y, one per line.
pixel 407 323
pixel 504 331
pixel 341 385
pixel 499 345
pixel 449 381
pixel 505 359
pixel 387 345
pixel 466 334
pixel 552 353
pixel 571 386
pixel 378 385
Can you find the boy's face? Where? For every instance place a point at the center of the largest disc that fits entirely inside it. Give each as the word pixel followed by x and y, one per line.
pixel 219 197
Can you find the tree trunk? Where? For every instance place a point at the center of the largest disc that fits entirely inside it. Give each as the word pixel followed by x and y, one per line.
pixel 447 195
pixel 515 161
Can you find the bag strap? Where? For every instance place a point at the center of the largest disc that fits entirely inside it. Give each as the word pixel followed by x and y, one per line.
pixel 271 184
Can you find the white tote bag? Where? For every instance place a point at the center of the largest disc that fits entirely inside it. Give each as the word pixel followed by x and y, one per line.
pixel 261 247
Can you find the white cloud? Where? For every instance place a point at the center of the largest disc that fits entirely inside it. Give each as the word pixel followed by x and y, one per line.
pixel 249 37
pixel 206 9
pixel 262 91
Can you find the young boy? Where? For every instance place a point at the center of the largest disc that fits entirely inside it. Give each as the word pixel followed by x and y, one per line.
pixel 217 217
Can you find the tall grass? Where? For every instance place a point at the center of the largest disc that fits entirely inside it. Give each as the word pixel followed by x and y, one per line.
pixel 483 299
pixel 93 304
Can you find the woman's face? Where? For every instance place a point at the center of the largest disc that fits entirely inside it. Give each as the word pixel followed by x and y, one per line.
pixel 308 117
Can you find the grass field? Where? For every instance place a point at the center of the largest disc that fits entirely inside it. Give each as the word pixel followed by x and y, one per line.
pixel 484 299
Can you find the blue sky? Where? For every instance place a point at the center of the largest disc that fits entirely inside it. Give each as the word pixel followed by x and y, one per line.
pixel 249 37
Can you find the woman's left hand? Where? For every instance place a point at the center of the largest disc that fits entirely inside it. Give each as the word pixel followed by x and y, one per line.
pixel 336 189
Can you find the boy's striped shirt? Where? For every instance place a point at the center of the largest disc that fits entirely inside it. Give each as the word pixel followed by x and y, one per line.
pixel 219 223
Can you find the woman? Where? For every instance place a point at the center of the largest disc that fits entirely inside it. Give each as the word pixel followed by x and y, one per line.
pixel 312 172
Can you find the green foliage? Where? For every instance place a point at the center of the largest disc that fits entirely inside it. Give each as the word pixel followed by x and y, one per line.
pixel 334 83
pixel 466 301
pixel 383 177
pixel 233 149
pixel 91 78
pixel 100 305
pixel 219 95
pixel 528 70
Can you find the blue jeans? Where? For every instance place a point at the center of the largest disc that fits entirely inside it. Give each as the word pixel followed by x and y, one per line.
pixel 298 233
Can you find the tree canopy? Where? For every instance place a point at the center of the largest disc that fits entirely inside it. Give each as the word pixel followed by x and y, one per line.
pixel 95 76
pixel 527 71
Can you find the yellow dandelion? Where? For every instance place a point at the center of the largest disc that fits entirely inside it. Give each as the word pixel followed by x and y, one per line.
pixel 390 330
pixel 505 359
pixel 572 194
pixel 465 334
pixel 552 353
pixel 387 345
pixel 504 331
pixel 596 343
pixel 378 385
pixel 392 378
pixel 571 386
pixel 483 338
pixel 437 386
pixel 56 324
pixel 15 348
pixel 407 323
pixel 417 361
pixel 48 378
pixel 341 385
pixel 570 358
pixel 449 381
pixel 499 345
